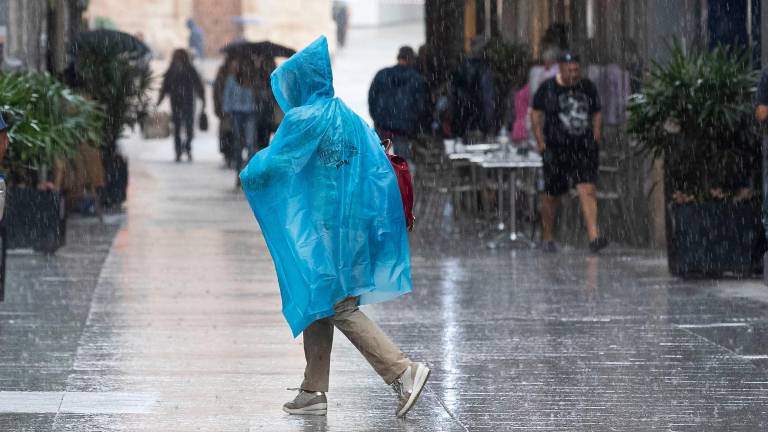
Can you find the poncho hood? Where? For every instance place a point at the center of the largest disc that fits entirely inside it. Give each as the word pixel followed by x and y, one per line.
pixel 305 78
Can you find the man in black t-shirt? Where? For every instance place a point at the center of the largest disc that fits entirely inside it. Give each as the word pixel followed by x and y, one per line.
pixel 567 124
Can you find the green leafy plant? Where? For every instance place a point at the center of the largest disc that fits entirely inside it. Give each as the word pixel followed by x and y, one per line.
pixel 47 120
pixel 510 63
pixel 119 80
pixel 696 111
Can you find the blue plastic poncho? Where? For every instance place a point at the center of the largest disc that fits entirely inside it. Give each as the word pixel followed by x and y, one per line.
pixel 326 198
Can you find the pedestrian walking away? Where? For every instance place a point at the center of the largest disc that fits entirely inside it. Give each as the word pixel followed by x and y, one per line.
pixel 248 101
pixel 474 96
pixel 328 203
pixel 567 124
pixel 182 84
pixel 196 39
pixel 398 101
pixel 226 130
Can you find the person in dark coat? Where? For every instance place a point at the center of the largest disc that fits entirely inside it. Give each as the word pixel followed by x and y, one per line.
pixel 248 99
pixel 474 97
pixel 226 130
pixel 341 17
pixel 398 101
pixel 182 84
pixel 196 38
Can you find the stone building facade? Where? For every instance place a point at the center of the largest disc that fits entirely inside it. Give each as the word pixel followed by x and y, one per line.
pixel 36 33
pixel 163 23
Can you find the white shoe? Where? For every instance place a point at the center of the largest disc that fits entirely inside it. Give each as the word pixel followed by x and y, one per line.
pixel 307 403
pixel 409 386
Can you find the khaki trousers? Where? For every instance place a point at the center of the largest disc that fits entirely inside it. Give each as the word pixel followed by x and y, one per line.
pixel 383 355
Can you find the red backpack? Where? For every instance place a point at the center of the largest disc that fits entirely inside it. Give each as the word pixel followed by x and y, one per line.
pixel 404 181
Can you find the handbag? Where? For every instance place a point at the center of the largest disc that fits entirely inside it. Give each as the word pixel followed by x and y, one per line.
pixel 404 182
pixel 203 121
pixel 156 125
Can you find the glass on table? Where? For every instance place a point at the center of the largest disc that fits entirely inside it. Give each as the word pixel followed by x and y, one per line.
pixel 450 146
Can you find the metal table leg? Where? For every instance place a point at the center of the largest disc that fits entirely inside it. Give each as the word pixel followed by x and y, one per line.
pixel 473 190
pixel 513 205
pixel 512 235
pixel 500 194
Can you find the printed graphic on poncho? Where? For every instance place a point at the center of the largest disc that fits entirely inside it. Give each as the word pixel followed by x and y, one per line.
pixel 336 154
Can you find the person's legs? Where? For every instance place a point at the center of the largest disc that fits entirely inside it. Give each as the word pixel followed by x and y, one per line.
pixel 586 165
pixel 239 139
pixel 189 125
pixel 318 340
pixel 588 200
pixel 377 348
pixel 249 131
pixel 263 129
pixel 549 206
pixel 555 184
pixel 177 121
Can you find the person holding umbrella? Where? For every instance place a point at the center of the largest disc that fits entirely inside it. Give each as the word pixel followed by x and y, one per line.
pixel 182 83
pixel 248 101
pixel 329 206
pixel 228 69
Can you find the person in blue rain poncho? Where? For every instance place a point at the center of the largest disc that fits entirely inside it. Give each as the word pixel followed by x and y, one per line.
pixel 328 203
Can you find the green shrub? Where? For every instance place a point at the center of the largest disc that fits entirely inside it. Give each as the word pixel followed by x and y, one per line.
pixel 46 119
pixel 119 80
pixel 696 111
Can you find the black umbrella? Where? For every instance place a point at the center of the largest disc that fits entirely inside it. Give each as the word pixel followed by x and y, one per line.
pixel 263 48
pixel 109 43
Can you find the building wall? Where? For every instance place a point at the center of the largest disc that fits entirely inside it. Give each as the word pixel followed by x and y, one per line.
pixel 26 31
pixel 294 23
pixel 366 13
pixel 218 19
pixel 162 23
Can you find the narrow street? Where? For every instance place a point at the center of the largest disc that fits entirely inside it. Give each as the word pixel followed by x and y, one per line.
pixel 167 318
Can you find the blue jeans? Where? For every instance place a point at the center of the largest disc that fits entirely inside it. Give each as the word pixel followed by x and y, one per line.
pixel 244 129
pixel 183 118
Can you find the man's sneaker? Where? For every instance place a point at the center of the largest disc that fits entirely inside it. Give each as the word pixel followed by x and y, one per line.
pixel 307 403
pixel 549 246
pixel 598 244
pixel 409 386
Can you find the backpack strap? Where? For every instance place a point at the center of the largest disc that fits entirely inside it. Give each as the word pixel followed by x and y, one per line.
pixel 387 144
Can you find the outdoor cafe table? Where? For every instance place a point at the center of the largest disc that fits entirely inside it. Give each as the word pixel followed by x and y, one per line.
pixel 471 154
pixel 512 163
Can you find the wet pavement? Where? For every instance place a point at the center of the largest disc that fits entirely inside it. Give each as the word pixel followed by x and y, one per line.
pixel 167 318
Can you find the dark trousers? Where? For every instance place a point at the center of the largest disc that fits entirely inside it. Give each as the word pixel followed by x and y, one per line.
pixel 251 132
pixel 183 118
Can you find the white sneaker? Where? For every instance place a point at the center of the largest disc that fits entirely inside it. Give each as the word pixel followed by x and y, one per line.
pixel 409 385
pixel 307 403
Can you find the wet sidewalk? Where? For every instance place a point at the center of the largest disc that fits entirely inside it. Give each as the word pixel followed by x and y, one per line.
pixel 176 326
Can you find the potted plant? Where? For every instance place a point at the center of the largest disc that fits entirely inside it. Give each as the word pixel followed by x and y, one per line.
pixel 695 112
pixel 511 63
pixel 113 68
pixel 46 123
